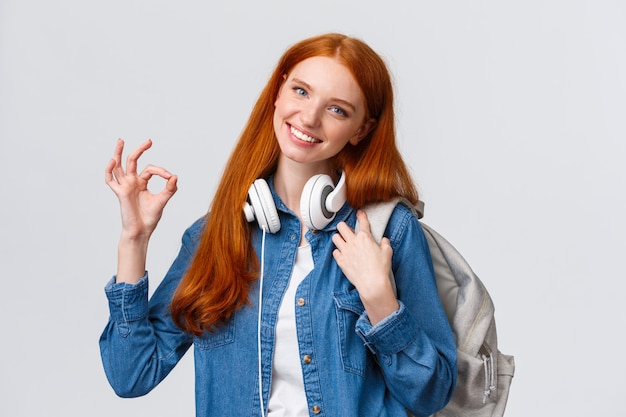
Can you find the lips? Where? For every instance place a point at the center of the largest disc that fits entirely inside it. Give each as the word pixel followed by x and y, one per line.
pixel 303 136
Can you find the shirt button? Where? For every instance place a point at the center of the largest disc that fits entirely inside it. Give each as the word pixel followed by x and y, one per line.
pixel 306 359
pixel 301 302
pixel 316 409
pixel 292 237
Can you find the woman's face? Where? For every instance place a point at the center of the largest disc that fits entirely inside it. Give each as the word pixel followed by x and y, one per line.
pixel 319 109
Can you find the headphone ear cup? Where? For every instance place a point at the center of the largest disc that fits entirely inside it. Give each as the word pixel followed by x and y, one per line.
pixel 261 207
pixel 313 202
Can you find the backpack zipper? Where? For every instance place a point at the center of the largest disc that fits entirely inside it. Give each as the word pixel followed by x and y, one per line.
pixel 487 356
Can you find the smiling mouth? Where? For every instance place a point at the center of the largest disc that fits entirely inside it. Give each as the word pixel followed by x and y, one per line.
pixel 303 136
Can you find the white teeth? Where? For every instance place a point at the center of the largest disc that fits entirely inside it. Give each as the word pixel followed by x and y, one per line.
pixel 303 136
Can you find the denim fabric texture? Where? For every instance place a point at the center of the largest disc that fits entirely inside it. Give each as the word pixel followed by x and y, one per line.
pixel 407 361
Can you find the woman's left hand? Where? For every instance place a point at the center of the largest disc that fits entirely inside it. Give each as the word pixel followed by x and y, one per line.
pixel 367 265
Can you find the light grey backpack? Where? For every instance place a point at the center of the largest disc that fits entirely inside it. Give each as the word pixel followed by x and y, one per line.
pixel 484 373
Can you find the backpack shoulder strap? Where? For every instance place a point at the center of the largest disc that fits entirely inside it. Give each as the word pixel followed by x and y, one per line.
pixel 378 214
pixel 454 278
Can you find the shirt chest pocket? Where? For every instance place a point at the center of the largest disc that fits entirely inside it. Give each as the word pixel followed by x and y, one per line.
pixel 354 355
pixel 223 335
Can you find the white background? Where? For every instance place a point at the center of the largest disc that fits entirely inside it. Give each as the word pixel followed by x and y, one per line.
pixel 511 116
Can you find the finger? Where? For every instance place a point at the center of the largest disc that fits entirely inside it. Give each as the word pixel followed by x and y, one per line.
pixel 346 231
pixel 364 223
pixel 116 162
pixel 131 161
pixel 168 191
pixel 119 149
pixel 108 172
pixel 338 241
pixel 150 170
pixel 338 256
pixel 172 184
pixel 170 188
pixel 385 245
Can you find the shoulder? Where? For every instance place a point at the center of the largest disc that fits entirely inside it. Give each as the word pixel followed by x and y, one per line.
pixel 402 222
pixel 192 235
pixel 396 219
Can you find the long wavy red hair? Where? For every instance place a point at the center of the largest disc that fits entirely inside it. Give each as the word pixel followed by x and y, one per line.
pixel 218 279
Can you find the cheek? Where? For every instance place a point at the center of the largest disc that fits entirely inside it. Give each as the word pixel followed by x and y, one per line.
pixel 278 120
pixel 343 135
pixel 284 109
pixel 280 106
pixel 281 98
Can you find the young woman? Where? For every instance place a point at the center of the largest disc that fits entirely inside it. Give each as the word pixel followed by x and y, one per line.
pixel 290 312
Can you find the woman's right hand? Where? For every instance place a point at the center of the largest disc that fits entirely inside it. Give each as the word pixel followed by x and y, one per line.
pixel 141 210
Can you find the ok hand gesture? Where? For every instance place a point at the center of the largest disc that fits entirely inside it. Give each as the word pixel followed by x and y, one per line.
pixel 141 209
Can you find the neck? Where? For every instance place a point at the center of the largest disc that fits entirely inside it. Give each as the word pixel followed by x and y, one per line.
pixel 290 178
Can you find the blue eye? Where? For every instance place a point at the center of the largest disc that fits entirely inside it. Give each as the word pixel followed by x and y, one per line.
pixel 300 91
pixel 339 111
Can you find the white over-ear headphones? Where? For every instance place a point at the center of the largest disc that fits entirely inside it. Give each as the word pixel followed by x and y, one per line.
pixel 260 207
pixel 319 202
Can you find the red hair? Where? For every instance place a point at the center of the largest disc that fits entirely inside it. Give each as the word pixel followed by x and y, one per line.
pixel 225 264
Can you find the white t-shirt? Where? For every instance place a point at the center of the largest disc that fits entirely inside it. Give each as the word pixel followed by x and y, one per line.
pixel 287 397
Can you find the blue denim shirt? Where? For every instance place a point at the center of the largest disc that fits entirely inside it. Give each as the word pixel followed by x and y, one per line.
pixel 407 361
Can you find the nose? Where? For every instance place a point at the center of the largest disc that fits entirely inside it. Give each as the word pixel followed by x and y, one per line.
pixel 310 115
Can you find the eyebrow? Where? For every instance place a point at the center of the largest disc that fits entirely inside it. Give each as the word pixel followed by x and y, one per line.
pixel 337 99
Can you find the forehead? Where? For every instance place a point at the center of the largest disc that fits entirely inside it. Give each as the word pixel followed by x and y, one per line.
pixel 327 75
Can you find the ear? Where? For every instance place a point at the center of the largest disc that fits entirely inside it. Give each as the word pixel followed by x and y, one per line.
pixel 280 89
pixel 363 131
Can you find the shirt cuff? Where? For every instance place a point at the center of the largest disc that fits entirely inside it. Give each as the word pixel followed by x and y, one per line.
pixel 127 302
pixel 389 336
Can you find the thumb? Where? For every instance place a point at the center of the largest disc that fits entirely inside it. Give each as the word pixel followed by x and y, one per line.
pixel 172 184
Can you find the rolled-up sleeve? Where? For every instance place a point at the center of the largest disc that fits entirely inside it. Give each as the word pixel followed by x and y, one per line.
pixel 140 344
